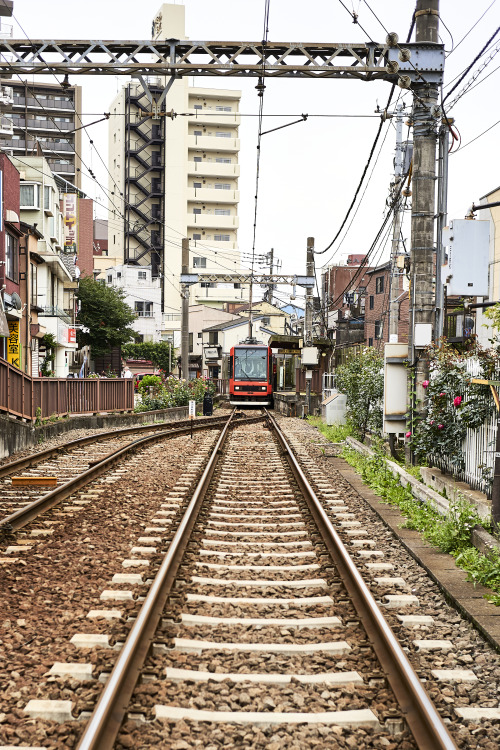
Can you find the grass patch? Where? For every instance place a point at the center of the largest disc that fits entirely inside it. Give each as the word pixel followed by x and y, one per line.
pixel 450 533
pixel 335 433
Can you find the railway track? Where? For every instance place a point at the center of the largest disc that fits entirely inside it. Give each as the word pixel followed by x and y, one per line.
pixel 248 623
pixel 73 465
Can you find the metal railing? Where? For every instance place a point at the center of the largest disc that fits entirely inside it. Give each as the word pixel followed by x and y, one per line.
pixel 30 398
pixel 53 311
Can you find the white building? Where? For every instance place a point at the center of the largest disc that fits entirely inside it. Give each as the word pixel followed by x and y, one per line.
pixel 56 278
pixel 219 339
pixel 142 294
pixel 173 178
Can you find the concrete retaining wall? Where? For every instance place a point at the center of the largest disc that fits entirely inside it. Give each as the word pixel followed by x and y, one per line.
pixel 427 494
pixel 16 435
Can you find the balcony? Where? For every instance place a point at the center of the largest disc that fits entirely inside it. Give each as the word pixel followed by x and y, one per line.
pixel 212 143
pixel 213 244
pixel 6 128
pixel 31 145
pixel 210 195
pixel 42 102
pixel 20 122
pixel 459 326
pixel 62 168
pixel 213 169
pixel 211 117
pixel 53 311
pixel 211 221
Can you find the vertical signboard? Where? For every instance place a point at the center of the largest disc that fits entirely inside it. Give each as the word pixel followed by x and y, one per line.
pixel 1 201
pixel 70 219
pixel 14 344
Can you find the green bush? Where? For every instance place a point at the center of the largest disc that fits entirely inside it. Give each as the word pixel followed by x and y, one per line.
pixel 362 381
pixel 171 392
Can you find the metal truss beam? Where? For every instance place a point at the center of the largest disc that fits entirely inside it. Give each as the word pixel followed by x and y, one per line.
pixel 366 61
pixel 247 278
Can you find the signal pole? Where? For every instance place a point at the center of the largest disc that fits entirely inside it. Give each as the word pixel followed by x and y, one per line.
pixel 185 312
pixel 425 110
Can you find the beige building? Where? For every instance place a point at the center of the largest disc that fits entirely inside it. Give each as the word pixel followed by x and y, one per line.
pixel 176 177
pixel 483 329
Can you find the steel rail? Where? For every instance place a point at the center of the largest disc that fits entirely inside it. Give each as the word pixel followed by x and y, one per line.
pixel 34 458
pixel 424 721
pixel 23 516
pixel 106 719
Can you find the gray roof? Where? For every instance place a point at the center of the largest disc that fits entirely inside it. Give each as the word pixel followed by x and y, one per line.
pixel 231 323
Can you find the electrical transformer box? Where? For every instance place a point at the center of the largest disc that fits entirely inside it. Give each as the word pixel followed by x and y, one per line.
pixel 466 273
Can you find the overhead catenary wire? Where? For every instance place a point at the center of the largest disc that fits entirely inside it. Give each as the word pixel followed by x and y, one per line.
pixel 471 65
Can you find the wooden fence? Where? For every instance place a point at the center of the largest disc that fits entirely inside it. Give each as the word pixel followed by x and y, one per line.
pixel 28 398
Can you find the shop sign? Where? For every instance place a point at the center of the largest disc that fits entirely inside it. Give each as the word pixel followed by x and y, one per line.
pixel 70 219
pixel 71 335
pixel 212 353
pixel 14 344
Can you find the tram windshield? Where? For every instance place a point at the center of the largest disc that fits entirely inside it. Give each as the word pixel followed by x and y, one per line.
pixel 250 364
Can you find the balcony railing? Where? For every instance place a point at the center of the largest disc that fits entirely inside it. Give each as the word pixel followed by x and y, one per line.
pixel 53 311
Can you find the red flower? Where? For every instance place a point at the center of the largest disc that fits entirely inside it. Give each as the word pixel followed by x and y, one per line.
pixel 408 434
pixel 457 400
pixel 425 384
pixel 440 426
pixel 442 394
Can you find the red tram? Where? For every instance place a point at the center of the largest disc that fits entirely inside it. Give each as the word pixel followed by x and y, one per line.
pixel 251 375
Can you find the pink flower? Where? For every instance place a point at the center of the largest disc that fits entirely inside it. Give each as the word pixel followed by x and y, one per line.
pixel 440 426
pixel 457 400
pixel 408 434
pixel 425 384
pixel 431 422
pixel 442 394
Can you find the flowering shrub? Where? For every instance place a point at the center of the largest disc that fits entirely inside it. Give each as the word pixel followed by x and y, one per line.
pixel 362 380
pixel 452 404
pixel 170 391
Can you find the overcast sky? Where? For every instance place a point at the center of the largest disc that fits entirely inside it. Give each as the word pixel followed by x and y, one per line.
pixel 308 171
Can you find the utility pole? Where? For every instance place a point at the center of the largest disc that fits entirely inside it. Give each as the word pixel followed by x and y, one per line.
pixel 308 323
pixel 422 303
pixel 396 229
pixel 442 213
pixel 271 270
pixel 185 312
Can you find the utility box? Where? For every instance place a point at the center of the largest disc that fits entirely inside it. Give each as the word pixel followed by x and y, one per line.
pixel 333 408
pixel 395 388
pixel 310 356
pixel 466 273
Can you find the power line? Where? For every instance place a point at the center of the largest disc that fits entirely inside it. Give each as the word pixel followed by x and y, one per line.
pixel 477 137
pixel 457 45
pixel 469 67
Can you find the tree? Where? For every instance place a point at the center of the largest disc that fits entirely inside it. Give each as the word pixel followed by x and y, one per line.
pixel 161 353
pixel 106 315
pixel 361 379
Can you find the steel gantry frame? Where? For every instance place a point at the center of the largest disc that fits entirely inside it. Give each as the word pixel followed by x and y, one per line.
pixel 367 61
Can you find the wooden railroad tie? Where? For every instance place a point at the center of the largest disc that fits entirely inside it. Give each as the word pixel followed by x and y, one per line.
pixel 34 481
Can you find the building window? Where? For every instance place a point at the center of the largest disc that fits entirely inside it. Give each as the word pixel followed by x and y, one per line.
pixel 197 106
pixel 213 338
pixel 378 329
pixel 196 236
pixel 372 302
pixel 110 279
pixel 197 210
pixel 199 262
pixel 141 275
pixel 34 284
pixel 200 335
pixel 118 274
pixel 198 132
pixel 237 285
pixel 221 160
pixel 223 108
pixel 222 212
pixel 379 284
pixel 222 237
pixel 197 184
pixel 222 186
pixel 207 285
pixel 11 258
pixel 190 343
pixel 30 195
pixel 47 190
pixel 223 134
pixel 197 158
pixel 370 342
pixel 143 309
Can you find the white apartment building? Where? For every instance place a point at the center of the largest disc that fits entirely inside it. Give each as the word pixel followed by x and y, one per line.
pixel 56 278
pixel 142 294
pixel 176 177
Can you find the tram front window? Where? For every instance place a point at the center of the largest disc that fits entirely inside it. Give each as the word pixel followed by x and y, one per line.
pixel 250 364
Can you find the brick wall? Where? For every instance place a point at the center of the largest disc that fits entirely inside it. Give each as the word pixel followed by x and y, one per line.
pixel 377 310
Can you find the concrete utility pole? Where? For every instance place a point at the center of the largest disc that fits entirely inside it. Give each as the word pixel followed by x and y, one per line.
pixel 442 212
pixel 308 323
pixel 422 216
pixel 271 269
pixel 396 229
pixel 185 312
